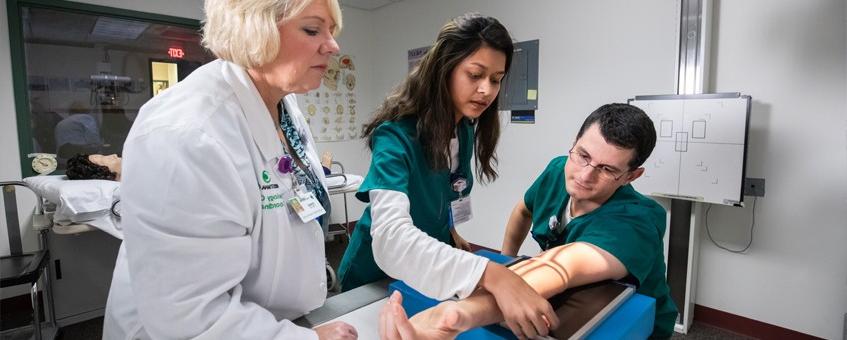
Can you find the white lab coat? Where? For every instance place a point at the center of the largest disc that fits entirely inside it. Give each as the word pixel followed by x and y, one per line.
pixel 210 250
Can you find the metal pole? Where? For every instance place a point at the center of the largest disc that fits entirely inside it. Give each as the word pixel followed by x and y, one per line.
pixel 692 72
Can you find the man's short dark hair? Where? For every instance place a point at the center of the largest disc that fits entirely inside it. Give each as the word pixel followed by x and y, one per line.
pixel 625 126
pixel 80 167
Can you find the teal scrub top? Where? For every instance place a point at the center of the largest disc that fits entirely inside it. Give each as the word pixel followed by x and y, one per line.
pixel 398 163
pixel 629 226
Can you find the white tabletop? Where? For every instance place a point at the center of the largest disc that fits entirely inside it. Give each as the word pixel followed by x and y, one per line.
pixel 365 319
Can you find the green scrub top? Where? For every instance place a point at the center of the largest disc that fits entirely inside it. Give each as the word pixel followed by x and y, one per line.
pixel 398 163
pixel 629 226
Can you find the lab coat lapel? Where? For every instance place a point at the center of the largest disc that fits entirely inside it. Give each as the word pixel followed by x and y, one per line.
pixel 262 127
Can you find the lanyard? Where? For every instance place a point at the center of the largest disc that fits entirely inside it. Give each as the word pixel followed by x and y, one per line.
pixel 458 182
pixel 288 164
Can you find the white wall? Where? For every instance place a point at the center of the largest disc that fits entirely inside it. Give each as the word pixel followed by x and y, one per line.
pixel 357 40
pixel 10 168
pixel 790 56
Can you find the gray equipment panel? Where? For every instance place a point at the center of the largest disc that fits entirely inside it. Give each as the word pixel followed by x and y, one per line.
pixel 520 87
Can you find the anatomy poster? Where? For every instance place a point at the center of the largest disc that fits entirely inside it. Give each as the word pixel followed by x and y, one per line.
pixel 331 108
pixel 415 55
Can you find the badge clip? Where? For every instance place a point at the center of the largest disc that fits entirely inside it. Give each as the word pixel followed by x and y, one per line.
pixel 554 224
pixel 285 165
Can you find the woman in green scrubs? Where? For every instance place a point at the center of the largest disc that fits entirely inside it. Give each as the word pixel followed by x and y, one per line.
pixel 422 139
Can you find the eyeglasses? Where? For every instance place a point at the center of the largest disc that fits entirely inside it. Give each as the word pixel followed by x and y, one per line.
pixel 606 172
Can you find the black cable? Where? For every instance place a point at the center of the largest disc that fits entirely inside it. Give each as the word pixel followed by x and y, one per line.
pixel 752 226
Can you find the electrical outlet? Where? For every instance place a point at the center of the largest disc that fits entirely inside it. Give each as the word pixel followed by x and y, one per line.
pixel 754 187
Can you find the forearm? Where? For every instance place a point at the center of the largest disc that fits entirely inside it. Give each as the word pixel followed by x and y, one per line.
pixel 539 274
pixel 548 273
pixel 516 229
pixel 544 274
pixel 481 307
pixel 570 265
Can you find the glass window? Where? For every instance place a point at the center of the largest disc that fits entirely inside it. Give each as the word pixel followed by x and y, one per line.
pixel 87 75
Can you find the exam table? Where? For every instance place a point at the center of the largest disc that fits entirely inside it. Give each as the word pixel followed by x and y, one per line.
pixel 360 307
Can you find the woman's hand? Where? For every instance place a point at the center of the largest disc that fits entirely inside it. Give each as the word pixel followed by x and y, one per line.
pixel 459 241
pixel 336 330
pixel 525 312
pixel 444 321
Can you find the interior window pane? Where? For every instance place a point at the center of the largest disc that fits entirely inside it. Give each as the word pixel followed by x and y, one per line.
pixel 87 76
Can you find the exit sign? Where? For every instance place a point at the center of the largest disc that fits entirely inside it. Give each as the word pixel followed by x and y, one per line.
pixel 176 53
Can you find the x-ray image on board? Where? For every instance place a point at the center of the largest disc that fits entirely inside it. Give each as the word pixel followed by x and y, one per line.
pixel 700 148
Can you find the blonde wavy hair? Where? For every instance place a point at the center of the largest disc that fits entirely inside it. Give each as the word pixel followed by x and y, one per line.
pixel 246 32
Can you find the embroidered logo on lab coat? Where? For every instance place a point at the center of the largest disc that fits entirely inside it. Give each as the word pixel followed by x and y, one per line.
pixel 271 197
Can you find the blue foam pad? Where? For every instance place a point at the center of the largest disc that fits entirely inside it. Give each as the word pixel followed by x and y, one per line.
pixel 632 320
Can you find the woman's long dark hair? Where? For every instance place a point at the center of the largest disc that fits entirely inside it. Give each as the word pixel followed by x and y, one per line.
pixel 425 93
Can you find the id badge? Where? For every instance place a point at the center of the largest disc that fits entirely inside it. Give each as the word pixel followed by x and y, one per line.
pixel 306 206
pixel 460 211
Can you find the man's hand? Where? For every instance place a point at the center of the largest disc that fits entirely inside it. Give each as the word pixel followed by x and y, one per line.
pixel 459 241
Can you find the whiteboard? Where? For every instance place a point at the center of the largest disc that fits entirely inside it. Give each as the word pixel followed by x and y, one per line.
pixel 701 147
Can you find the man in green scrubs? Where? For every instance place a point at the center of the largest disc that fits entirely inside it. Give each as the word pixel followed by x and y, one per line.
pixel 586 199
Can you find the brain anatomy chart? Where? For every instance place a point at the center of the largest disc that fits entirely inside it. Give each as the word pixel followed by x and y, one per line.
pixel 330 110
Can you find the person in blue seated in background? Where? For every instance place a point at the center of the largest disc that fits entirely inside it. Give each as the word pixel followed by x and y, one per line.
pixel 588 219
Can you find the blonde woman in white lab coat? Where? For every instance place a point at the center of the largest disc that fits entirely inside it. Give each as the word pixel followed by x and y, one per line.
pixel 212 249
